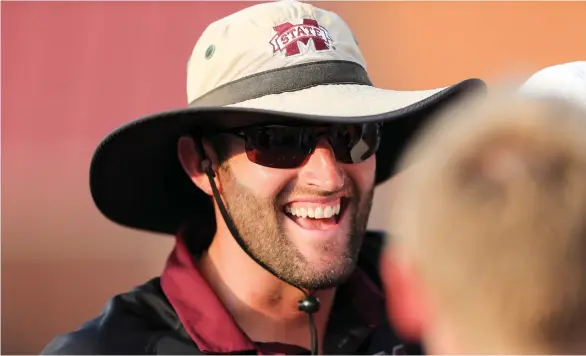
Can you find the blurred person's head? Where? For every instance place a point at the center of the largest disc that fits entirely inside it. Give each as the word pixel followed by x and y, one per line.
pixel 488 249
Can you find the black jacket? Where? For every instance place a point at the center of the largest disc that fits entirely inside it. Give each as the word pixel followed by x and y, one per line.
pixel 143 322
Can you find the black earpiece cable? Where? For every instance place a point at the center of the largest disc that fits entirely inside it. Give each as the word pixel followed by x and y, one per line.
pixel 309 304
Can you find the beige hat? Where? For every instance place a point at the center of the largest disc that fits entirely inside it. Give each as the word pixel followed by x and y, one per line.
pixel 272 62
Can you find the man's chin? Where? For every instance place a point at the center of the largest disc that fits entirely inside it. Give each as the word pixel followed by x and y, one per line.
pixel 328 278
pixel 328 260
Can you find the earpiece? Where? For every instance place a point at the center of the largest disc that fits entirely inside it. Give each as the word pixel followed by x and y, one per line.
pixel 206 164
pixel 206 167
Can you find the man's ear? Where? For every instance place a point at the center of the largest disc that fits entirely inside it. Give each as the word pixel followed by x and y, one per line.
pixel 191 161
pixel 405 303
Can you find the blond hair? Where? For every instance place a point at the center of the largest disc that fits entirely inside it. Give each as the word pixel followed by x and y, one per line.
pixel 493 214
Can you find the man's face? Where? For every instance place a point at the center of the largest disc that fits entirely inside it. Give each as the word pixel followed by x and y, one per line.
pixel 307 223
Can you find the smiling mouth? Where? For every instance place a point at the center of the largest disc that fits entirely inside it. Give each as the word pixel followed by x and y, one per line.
pixel 317 216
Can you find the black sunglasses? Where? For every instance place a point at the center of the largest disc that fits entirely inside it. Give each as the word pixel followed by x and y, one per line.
pixel 284 146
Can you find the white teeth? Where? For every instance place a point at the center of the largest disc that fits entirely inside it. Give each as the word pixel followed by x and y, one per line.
pixel 324 212
pixel 302 212
pixel 319 213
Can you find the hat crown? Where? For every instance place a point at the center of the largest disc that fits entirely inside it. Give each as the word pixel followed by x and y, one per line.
pixel 265 37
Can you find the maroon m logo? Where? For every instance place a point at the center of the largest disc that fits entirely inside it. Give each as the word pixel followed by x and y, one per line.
pixel 288 36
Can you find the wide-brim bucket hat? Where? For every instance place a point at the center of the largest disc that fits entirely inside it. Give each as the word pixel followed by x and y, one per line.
pixel 276 62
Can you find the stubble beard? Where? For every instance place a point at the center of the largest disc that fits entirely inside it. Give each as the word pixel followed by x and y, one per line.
pixel 259 224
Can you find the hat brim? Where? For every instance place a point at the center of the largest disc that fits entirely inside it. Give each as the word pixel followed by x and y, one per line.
pixel 136 179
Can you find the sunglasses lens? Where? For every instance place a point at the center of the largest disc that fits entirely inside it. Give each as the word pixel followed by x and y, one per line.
pixel 355 143
pixel 276 146
pixel 289 146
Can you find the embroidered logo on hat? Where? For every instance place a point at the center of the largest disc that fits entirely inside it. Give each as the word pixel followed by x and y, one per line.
pixel 289 36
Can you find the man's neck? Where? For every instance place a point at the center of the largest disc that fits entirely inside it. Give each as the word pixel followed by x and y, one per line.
pixel 264 307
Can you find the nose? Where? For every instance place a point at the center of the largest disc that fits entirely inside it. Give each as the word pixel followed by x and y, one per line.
pixel 321 169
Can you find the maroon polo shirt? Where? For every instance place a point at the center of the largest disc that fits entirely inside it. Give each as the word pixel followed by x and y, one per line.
pixel 358 308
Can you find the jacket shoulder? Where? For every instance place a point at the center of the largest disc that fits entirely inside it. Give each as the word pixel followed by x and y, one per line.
pixel 130 323
pixel 79 342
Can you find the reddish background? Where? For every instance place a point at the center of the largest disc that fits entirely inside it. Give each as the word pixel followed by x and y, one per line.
pixel 72 71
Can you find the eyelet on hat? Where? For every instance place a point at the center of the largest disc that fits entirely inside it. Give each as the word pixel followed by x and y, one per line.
pixel 210 51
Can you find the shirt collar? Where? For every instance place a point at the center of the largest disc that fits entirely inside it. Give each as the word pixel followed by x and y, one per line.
pixel 358 308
